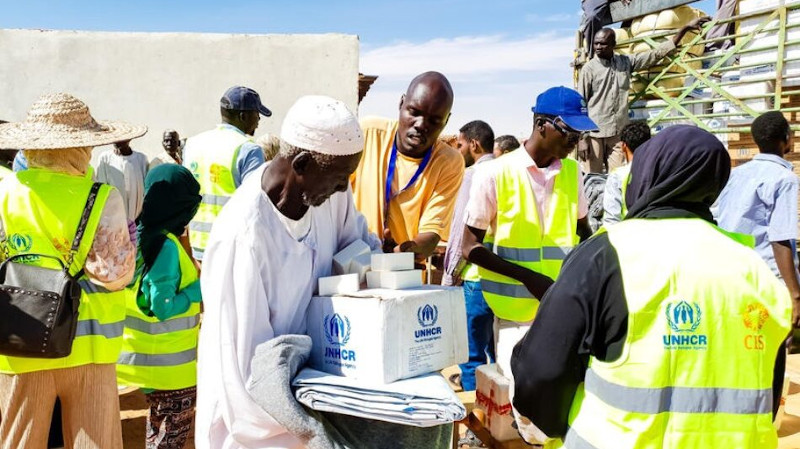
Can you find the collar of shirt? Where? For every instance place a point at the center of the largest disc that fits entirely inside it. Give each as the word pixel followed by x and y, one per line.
pixel 539 174
pixel 231 127
pixel 607 62
pixel 485 158
pixel 773 158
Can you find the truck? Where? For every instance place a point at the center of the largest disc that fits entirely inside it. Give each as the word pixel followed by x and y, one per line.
pixel 721 91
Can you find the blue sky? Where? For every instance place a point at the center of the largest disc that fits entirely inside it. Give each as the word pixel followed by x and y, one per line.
pixel 497 54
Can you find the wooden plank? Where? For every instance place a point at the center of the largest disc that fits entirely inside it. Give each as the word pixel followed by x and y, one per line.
pixel 638 8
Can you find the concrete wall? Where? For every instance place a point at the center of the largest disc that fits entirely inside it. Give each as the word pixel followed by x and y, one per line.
pixel 172 80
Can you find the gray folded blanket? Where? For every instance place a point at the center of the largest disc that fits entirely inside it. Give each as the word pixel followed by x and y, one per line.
pixel 275 364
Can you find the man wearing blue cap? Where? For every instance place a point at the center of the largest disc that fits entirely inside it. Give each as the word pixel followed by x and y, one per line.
pixel 222 157
pixel 527 212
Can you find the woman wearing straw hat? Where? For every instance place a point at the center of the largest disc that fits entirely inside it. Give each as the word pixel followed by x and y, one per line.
pixel 40 209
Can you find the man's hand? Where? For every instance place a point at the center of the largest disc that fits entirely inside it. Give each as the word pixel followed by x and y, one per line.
pixel 584 148
pixel 388 242
pixel 694 25
pixel 626 2
pixel 697 23
pixel 784 259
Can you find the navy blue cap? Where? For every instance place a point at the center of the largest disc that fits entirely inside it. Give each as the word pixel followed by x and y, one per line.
pixel 242 98
pixel 565 103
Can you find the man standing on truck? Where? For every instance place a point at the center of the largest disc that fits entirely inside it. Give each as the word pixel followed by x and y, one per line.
pixel 604 83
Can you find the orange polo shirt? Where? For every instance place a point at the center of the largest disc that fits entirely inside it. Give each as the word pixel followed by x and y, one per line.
pixel 426 206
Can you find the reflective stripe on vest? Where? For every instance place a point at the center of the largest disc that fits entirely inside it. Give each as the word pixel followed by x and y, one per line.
pixel 679 399
pixel 161 354
pixel 171 359
pixel 162 327
pixel 211 156
pixel 696 367
pixel 43 208
pixel 94 327
pixel 519 237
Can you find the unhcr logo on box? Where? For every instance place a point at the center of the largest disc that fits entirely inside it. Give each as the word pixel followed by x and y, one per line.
pixel 427 316
pixel 337 332
pixel 683 320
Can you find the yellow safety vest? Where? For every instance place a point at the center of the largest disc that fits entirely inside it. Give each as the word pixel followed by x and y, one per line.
pixel 518 236
pixel 40 210
pixel 624 173
pixel 211 157
pixel 697 366
pixel 161 355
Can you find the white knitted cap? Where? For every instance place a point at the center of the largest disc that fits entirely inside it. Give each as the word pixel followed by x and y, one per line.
pixel 324 125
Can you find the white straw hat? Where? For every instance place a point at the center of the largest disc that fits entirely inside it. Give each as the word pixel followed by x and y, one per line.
pixel 58 121
pixel 324 125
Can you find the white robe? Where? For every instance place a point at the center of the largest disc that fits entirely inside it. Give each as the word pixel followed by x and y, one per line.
pixel 257 282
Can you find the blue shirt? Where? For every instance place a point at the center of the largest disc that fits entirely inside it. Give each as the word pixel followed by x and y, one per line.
pixel 20 162
pixel 760 199
pixel 249 158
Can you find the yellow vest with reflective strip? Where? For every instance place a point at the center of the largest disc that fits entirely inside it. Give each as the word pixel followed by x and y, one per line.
pixel 624 173
pixel 518 236
pixel 161 355
pixel 696 369
pixel 211 157
pixel 40 210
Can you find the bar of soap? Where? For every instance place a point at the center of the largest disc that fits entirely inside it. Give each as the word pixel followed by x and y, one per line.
pixel 337 285
pixel 393 262
pixel 394 280
pixel 360 266
pixel 343 259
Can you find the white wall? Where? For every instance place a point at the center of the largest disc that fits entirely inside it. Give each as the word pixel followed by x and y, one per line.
pixel 172 80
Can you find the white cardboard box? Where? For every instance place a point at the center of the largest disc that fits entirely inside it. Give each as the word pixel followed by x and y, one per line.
pixel 342 261
pixel 361 265
pixel 748 6
pixel 491 396
pixel 384 335
pixel 337 285
pixel 394 280
pixel 393 262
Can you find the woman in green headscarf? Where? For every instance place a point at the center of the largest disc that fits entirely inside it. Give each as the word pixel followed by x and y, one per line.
pixel 159 351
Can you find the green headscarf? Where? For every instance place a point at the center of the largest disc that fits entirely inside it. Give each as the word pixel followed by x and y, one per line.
pixel 171 198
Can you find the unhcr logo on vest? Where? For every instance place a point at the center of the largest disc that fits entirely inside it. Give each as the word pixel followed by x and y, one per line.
pixel 20 242
pixel 337 331
pixel 427 316
pixel 683 319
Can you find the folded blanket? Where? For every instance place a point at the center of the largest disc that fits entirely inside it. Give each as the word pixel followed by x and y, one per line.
pixel 423 401
pixel 274 365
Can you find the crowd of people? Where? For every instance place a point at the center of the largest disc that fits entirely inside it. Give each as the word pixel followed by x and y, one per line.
pixel 661 329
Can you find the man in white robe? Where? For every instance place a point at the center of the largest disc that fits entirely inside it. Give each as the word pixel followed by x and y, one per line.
pixel 275 237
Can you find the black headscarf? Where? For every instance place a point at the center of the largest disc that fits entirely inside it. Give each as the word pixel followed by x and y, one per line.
pixel 678 173
pixel 171 198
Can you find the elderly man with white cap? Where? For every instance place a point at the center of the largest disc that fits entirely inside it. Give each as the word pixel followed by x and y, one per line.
pixel 271 242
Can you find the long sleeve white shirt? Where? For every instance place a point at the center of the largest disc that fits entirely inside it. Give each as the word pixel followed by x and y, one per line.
pixel 257 281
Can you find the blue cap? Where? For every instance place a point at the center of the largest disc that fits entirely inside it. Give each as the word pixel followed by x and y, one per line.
pixel 242 98
pixel 565 103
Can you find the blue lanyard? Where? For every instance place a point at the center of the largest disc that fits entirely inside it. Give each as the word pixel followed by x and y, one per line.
pixel 390 177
